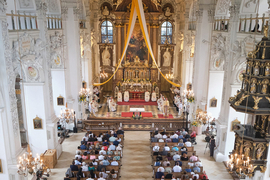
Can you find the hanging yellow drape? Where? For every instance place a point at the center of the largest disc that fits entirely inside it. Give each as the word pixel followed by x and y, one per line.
pixel 133 15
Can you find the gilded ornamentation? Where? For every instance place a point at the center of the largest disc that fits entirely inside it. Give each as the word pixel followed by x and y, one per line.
pixel 259 151
pixel 252 54
pixel 267 69
pixel 253 85
pixel 237 103
pixel 264 86
pixel 256 68
pixel 268 98
pixel 247 148
pixel 265 29
pixel 256 101
pixel 263 169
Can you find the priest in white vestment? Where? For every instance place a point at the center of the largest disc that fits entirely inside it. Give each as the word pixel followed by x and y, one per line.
pixel 154 96
pixel 166 107
pixel 147 96
pixel 119 97
pixel 126 96
pixel 112 105
pixel 94 107
pixel 180 108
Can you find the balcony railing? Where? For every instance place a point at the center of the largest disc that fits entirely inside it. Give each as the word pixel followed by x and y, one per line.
pixel 22 21
pixel 252 24
pixel 54 22
pixel 221 24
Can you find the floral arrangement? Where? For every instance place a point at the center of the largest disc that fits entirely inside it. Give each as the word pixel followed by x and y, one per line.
pixel 196 123
pixel 82 98
pixel 190 99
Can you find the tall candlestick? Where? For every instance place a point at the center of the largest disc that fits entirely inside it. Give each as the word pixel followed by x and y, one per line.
pixel 237 161
pixel 242 156
pixel 240 170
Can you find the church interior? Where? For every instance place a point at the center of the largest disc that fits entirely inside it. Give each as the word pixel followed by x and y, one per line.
pixel 134 89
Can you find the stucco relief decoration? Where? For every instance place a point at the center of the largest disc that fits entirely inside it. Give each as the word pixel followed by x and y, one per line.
pixel 57 47
pixel 26 4
pixel 27 53
pixel 181 40
pixel 10 78
pixel 223 6
pixel 3 6
pixel 218 50
pixel 248 3
pixel 53 6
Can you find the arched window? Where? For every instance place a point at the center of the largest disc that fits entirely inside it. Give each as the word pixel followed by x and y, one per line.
pixel 106 32
pixel 166 32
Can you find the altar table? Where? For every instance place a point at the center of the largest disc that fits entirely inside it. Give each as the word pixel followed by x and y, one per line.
pixel 137 109
pixel 137 94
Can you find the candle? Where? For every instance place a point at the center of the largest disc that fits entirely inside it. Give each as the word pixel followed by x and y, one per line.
pixel 232 156
pixel 235 156
pixel 248 170
pixel 240 170
pixel 242 156
pixel 231 167
pixel 237 161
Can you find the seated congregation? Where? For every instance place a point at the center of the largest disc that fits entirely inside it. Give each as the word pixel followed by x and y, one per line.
pixel 98 156
pixel 174 157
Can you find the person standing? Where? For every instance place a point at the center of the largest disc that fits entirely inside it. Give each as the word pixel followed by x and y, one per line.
pixel 212 145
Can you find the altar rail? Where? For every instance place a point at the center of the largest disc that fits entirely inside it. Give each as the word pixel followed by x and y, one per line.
pixel 145 124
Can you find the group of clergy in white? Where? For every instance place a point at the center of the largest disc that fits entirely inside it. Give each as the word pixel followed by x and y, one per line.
pixel 146 96
pixel 163 104
pixel 111 104
pixel 93 105
pixel 181 105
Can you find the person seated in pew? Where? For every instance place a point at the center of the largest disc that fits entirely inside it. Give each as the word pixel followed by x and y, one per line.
pixel 101 167
pixel 176 156
pixel 165 162
pixel 164 136
pixel 109 152
pixel 181 144
pixel 119 140
pixel 193 158
pixel 175 140
pixel 117 153
pixel 105 162
pixel 159 158
pixel 194 176
pixel 91 167
pixel 94 162
pixel 156 148
pixel 173 178
pixel 120 131
pixel 83 146
pixel 187 136
pixel 113 173
pixel 105 143
pixel 175 148
pixel 184 149
pixel 84 167
pixel 184 157
pixel 105 148
pixel 188 169
pixel 116 142
pixel 188 143
pixel 156 131
pixel 169 157
pixel 101 176
pixel 166 147
pixel 117 158
pixel 191 164
pixel 168 139
pixel 203 176
pixel 185 175
pixel 102 151
pixel 74 167
pixel 114 163
pixel 109 158
pixel 112 147
pixel 97 147
pixel 164 153
pixel 159 174
pixel 158 135
pixel 198 163
pixel 154 139
pixel 196 169
pixel 78 155
pixel 91 139
pixel 168 169
pixel 173 152
pixel 169 175
pixel 177 168
pixel 85 156
pixel 78 150
pixel 101 157
pixel 161 140
pixel 77 162
pixel 157 163
pixel 184 132
pixel 119 147
pixel 112 138
pixel 91 175
pixel 67 177
pixel 178 162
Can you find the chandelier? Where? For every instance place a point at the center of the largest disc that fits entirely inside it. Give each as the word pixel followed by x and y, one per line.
pixel 30 165
pixel 240 164
pixel 169 76
pixel 66 116
pixel 103 75
pixel 203 117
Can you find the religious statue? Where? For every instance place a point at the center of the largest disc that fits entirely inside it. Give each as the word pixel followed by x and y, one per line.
pixel 181 40
pixel 167 12
pixel 106 57
pixel 256 69
pixel 167 58
pixel 247 151
pixel 105 11
pixel 137 59
pixel 259 153
pixel 32 71
pixel 253 86
pixel 267 69
pixel 127 63
pixel 248 67
pixel 146 63
pixel 264 86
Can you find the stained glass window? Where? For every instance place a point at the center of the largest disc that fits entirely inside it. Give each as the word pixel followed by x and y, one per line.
pixel 166 32
pixel 107 32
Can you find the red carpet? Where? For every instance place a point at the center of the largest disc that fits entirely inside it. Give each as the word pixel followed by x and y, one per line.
pixel 161 116
pixel 147 114
pixel 138 102
pixel 126 114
